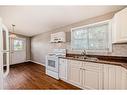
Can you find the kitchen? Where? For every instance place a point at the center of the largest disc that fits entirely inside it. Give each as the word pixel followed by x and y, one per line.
pixel 90 53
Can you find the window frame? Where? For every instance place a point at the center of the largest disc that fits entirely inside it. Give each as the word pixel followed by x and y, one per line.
pixel 109 22
pixel 23 44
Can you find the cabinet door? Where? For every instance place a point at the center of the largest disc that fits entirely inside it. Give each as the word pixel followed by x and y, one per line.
pixel 92 78
pixel 119 27
pixel 63 69
pixel 109 77
pixel 61 36
pixel 113 77
pixel 74 72
pixel 53 37
pixel 56 37
pixel 124 79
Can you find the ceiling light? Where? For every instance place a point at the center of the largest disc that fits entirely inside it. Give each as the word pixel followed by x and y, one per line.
pixel 12 35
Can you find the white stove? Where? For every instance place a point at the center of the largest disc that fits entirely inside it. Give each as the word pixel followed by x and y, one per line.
pixel 52 62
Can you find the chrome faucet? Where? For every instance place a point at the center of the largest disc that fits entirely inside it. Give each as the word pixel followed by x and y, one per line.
pixel 83 53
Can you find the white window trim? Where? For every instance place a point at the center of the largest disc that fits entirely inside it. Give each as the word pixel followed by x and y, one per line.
pixel 24 47
pixel 93 24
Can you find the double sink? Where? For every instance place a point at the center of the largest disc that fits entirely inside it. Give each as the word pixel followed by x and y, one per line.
pixel 84 58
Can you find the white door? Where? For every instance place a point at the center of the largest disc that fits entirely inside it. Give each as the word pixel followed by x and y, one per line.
pixel 18 50
pixel 4 52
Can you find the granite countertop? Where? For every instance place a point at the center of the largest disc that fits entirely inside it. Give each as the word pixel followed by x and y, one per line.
pixel 118 63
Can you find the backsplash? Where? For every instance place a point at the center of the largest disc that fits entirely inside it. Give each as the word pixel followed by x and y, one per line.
pixel 117 49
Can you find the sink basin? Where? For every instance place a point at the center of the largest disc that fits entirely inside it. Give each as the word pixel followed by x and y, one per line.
pixel 85 58
pixel 80 57
pixel 92 59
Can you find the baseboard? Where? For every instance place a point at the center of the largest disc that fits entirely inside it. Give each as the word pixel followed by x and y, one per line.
pixel 28 60
pixel 18 63
pixel 37 62
pixel 74 84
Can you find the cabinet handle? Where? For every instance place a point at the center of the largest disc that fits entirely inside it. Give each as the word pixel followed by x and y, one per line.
pixel 82 69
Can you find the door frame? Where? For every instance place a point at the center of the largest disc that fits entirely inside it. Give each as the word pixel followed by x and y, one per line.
pixel 12 48
pixel 1 56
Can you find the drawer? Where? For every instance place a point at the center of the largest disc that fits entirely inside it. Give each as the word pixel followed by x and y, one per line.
pixel 75 63
pixel 62 61
pixel 92 65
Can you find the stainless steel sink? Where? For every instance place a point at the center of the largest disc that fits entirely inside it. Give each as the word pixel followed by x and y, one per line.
pixel 85 58
pixel 80 57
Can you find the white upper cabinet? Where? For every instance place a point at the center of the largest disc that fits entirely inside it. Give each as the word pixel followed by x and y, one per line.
pixel 120 27
pixel 58 37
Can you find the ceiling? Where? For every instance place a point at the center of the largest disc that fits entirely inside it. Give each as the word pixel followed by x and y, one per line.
pixel 33 20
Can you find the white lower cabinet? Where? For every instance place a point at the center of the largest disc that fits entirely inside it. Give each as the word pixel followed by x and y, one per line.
pixel 109 77
pixel 90 75
pixel 85 74
pixel 74 72
pixel 63 69
pixel 115 77
pixel 124 78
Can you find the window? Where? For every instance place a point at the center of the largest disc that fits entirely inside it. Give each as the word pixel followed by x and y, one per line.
pixel 80 39
pixel 18 45
pixel 95 37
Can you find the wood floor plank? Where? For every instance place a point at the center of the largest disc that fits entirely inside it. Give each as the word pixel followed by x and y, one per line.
pixel 30 76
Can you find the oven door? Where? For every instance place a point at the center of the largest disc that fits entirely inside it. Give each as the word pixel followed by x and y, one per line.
pixel 52 63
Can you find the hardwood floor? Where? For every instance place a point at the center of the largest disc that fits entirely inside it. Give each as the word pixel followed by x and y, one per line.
pixel 30 76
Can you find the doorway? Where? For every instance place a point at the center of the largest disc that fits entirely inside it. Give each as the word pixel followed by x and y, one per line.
pixel 18 50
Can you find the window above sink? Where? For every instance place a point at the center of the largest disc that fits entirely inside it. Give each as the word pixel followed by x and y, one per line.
pixel 93 38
